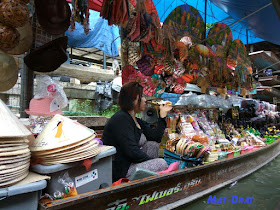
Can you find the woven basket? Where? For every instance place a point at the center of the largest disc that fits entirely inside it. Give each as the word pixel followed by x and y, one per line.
pixel 9 38
pixel 13 13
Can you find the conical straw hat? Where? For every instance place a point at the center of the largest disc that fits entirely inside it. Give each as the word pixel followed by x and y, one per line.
pixel 14 157
pixel 13 165
pixel 12 177
pixel 11 170
pixel 13 181
pixel 59 132
pixel 8 71
pixel 73 148
pixel 11 145
pixel 13 140
pixel 11 153
pixel 79 150
pixel 16 148
pixel 10 125
pixel 10 161
pixel 61 149
pixel 74 158
pixel 14 172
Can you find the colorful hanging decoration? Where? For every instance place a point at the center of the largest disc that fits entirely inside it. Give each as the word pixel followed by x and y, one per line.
pixel 243 77
pixel 181 51
pixel 129 74
pixel 149 84
pixel 146 65
pixel 110 11
pixel 219 74
pixel 237 51
pixel 185 20
pixel 219 34
pixel 161 85
pixel 80 14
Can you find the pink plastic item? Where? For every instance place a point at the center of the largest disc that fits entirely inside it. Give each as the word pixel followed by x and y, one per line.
pixel 172 167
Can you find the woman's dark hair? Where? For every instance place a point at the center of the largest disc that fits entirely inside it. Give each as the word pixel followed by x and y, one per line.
pixel 128 94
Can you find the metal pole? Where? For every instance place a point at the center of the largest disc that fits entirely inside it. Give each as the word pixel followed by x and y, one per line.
pixel 205 21
pixel 104 60
pixel 26 88
pixel 247 38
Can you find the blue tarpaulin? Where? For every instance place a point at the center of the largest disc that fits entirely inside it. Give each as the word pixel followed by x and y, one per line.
pixel 100 36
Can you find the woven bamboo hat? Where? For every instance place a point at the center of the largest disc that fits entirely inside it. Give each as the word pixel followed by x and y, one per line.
pixel 8 72
pixel 13 13
pixel 9 38
pixel 59 132
pixel 10 125
pixel 25 40
pixel 53 15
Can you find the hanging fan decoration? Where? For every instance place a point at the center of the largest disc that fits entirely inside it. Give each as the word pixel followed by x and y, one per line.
pixel 149 84
pixel 161 85
pixel 243 76
pixel 146 65
pixel 179 70
pixel 159 67
pixel 180 86
pixel 217 51
pixel 170 83
pixel 237 51
pixel 215 37
pixel 167 51
pixel 219 74
pixel 110 11
pixel 185 20
pixel 129 74
pixel 181 51
pixel 133 51
pixel 80 14
pixel 139 27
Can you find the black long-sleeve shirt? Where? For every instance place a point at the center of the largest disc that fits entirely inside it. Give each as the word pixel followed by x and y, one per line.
pixel 122 133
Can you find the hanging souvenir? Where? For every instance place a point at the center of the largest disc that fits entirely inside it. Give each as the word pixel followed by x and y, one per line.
pixel 13 13
pixel 161 85
pixel 146 65
pixel 243 76
pixel 179 70
pixel 181 51
pixel 128 74
pixel 219 34
pixel 133 52
pixel 237 51
pixel 9 38
pixel 185 20
pixel 186 40
pixel 148 83
pixel 80 14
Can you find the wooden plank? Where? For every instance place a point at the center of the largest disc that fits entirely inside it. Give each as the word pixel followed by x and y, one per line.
pixel 173 189
pixel 82 73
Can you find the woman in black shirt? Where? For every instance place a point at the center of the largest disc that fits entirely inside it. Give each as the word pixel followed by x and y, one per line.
pixel 128 133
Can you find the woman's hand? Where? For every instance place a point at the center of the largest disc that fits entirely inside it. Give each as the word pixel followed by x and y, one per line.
pixel 164 108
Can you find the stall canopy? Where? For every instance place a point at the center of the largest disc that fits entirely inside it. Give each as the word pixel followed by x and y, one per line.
pixel 264 24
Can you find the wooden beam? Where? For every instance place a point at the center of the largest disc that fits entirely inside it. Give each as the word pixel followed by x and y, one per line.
pixel 82 73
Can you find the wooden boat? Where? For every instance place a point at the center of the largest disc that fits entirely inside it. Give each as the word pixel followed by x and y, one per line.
pixel 170 190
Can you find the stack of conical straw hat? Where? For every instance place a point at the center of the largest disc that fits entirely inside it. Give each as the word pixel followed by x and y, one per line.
pixel 63 141
pixel 14 152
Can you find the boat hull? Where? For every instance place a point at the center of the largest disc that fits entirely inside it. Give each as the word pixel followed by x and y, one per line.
pixel 171 190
